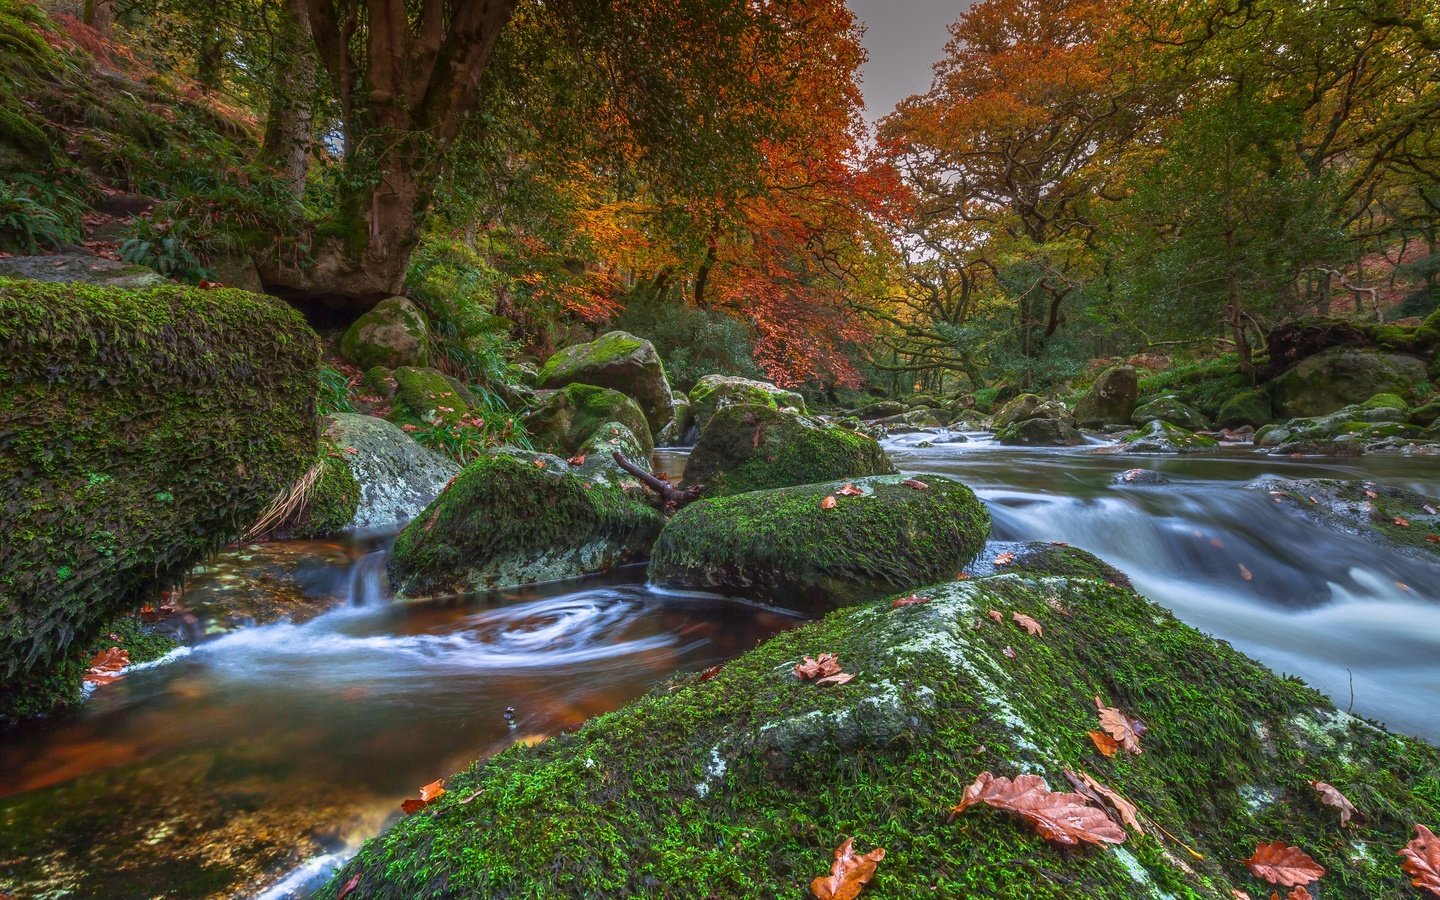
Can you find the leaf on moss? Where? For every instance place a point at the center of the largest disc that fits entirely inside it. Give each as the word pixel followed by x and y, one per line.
pixel 1279 863
pixel 849 873
pixel 1125 729
pixel 828 503
pixel 912 600
pixel 1005 558
pixel 1104 743
pixel 349 886
pixel 1331 796
pixel 850 490
pixel 837 678
pixel 1057 816
pixel 1403 523
pixel 997 615
pixel 1128 812
pixel 915 485
pixel 823 666
pixel 428 795
pixel 1422 860
pixel 107 666
pixel 1030 625
pixel 577 460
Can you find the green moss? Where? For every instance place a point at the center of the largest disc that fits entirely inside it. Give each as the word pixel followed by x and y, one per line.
pixel 740 785
pixel 392 334
pixel 195 407
pixel 598 353
pixel 782 547
pixel 565 420
pixel 333 500
pixel 1386 401
pixel 713 392
pixel 746 447
pixel 1375 511
pixel 515 518
pixel 425 397
pixel 1248 407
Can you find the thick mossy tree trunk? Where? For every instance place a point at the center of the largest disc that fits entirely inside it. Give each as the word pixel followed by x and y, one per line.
pixel 405 75
pixel 290 120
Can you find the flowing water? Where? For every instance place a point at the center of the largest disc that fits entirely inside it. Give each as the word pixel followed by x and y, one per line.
pixel 255 761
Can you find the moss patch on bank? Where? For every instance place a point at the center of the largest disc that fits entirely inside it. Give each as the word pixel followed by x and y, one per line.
pixel 141 430
pixel 742 784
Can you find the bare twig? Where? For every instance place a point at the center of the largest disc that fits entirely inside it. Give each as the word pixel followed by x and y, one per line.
pixel 670 499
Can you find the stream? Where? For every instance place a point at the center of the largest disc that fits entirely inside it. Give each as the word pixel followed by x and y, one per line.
pixel 252 763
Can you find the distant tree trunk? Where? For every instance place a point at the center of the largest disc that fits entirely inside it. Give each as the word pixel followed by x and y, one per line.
pixel 702 276
pixel 290 122
pixel 1322 304
pixel 100 15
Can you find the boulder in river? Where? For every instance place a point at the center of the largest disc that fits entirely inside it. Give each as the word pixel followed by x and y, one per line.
pixel 1050 432
pixel 1170 409
pixel 565 419
pixel 1391 516
pixel 1249 407
pixel 748 447
pixel 1162 437
pixel 1350 431
pixel 1341 376
pixel 880 409
pixel 714 392
pixel 1111 399
pixel 512 518
pixel 741 781
pixel 397 476
pixel 143 429
pixel 785 547
pixel 1025 406
pixel 619 361
pixel 394 333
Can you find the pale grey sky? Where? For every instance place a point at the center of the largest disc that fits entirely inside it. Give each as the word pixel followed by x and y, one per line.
pixel 905 38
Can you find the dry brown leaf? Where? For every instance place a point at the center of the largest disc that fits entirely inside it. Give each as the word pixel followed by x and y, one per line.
pixel 1027 623
pixel 1056 816
pixel 1422 860
pixel 837 678
pixel 912 600
pixel 828 503
pixel 1372 495
pixel 997 615
pixel 848 874
pixel 1239 894
pixel 539 463
pixel 1126 730
pixel 107 665
pixel 1279 863
pixel 348 886
pixel 1433 538
pixel 1331 796
pixel 1299 893
pixel 1403 523
pixel 850 490
pixel 1004 559
pixel 915 485
pixel 577 460
pixel 1129 813
pixel 822 666
pixel 1246 573
pixel 1104 743
pixel 428 795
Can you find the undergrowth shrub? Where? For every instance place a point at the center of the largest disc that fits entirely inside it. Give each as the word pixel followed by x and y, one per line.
pixel 691 342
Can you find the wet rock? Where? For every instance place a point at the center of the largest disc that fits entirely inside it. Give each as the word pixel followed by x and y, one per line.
pixel 1323 383
pixel 1112 398
pixel 512 518
pixel 784 548
pixel 393 334
pixel 1140 477
pixel 787 769
pixel 1350 431
pixel 1162 437
pixel 714 392
pixel 80 268
pixel 674 434
pixel 565 419
pixel 1426 414
pixel 397 476
pixel 1390 516
pixel 621 362
pixel 1040 433
pixel 747 447
pixel 1172 410
pixel 1017 410
pixel 880 409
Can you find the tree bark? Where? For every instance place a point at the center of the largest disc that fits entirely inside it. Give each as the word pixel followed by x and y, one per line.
pixel 100 15
pixel 290 122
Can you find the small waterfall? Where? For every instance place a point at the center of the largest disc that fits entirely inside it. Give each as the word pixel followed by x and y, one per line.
pixel 369 585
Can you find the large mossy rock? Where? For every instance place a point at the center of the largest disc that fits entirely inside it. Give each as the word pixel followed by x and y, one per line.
pixel 782 547
pixel 138 431
pixel 715 392
pixel 1156 436
pixel 80 268
pixel 426 397
pixel 397 477
pixel 1373 511
pixel 619 361
pixel 1350 431
pixel 1111 399
pixel 333 499
pixel 393 334
pixel 1170 409
pixel 513 518
pixel 1040 433
pixel 1340 376
pixel 1250 407
pixel 746 447
pixel 564 420
pixel 741 783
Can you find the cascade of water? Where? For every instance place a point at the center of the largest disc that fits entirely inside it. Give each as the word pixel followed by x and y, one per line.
pixel 369 584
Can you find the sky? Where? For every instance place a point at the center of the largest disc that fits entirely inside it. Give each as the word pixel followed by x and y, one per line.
pixel 905 38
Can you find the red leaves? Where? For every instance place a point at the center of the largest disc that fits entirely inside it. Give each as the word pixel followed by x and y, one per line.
pixel 428 795
pixel 850 490
pixel 1281 864
pixel 107 665
pixel 915 484
pixel 1422 860
pixel 1056 816
pixel 577 460
pixel 1331 796
pixel 848 874
pixel 997 615
pixel 1004 559
pixel 1105 743
pixel 912 600
pixel 824 669
pixel 1030 625
pixel 1403 523
pixel 349 886
pixel 829 502
pixel 1126 730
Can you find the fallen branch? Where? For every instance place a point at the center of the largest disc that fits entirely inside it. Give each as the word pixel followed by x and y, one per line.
pixel 670 499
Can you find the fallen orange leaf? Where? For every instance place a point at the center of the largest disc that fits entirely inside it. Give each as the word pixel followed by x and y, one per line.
pixel 1126 730
pixel 1055 815
pixel 850 490
pixel 577 460
pixel 1027 623
pixel 348 886
pixel 1279 863
pixel 997 615
pixel 1422 860
pixel 1104 743
pixel 915 485
pixel 1331 796
pixel 848 874
pixel 107 666
pixel 428 795
pixel 912 600
pixel 823 666
pixel 1403 523
pixel 828 503
pixel 1004 559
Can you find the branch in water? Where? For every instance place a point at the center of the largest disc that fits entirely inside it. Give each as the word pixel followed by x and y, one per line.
pixel 670 499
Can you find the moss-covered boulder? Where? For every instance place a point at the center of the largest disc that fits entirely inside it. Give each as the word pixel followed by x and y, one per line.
pixel 564 420
pixel 1111 400
pixel 1170 409
pixel 619 361
pixel 1156 436
pixel 1249 407
pixel 1040 433
pixel 1371 510
pixel 1349 431
pixel 880 409
pixel 1426 414
pixel 333 498
pixel 427 397
pixel 397 477
pixel 747 447
pixel 1017 409
pixel 394 333
pixel 138 430
pixel 715 392
pixel 741 783
pixel 783 547
pixel 1341 376
pixel 512 518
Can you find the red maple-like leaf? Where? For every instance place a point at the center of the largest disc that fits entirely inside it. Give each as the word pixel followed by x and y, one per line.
pixel 1055 815
pixel 849 873
pixel 1422 860
pixel 822 666
pixel 1279 863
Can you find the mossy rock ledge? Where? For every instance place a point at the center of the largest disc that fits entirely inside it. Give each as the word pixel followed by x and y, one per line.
pixel 619 361
pixel 564 420
pixel 1371 510
pixel 141 430
pixel 740 784
pixel 782 547
pixel 512 518
pixel 747 447
pixel 715 392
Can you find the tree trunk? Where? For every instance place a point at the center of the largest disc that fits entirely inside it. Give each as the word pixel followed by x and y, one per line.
pixel 100 15
pixel 290 122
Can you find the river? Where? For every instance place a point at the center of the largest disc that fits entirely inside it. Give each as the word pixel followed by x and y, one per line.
pixel 252 763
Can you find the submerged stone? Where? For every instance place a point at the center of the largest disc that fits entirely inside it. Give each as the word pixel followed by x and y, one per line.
pixel 740 783
pixel 782 547
pixel 619 361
